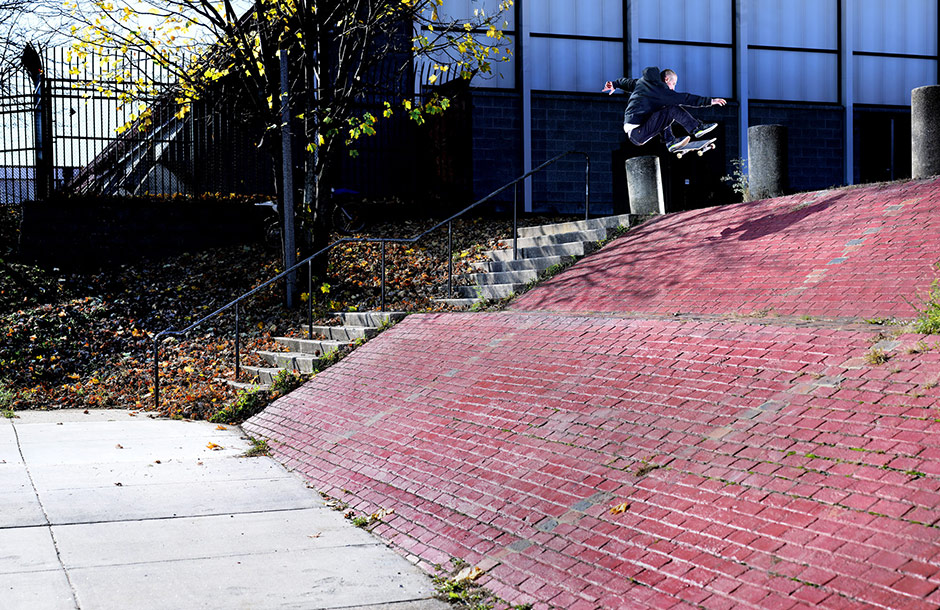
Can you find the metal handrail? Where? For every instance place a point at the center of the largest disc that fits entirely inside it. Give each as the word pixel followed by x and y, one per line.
pixel 383 240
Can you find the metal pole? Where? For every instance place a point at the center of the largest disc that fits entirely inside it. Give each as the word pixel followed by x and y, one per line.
pixel 450 262
pixel 587 188
pixel 290 248
pixel 310 299
pixel 515 231
pixel 156 372
pixel 383 275
pixel 237 343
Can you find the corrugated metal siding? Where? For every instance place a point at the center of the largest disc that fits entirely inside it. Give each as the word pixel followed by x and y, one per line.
pixel 574 65
pixel 565 64
pixel 807 24
pixel 686 20
pixel 897 27
pixel 704 70
pixel 584 18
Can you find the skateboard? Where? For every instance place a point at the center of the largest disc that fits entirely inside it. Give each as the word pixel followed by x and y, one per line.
pixel 697 146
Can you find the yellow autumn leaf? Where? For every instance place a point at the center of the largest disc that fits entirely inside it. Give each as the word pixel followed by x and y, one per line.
pixel 620 508
pixel 214 447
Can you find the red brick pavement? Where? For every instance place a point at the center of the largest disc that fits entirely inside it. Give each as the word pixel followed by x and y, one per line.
pixel 760 462
pixel 802 254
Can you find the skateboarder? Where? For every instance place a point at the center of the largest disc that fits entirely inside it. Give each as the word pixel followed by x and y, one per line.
pixel 655 105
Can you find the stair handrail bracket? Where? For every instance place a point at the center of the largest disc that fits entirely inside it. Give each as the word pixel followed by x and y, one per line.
pixel 383 241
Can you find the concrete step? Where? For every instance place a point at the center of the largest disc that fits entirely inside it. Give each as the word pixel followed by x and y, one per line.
pixel 261 374
pixel 247 386
pixel 557 238
pixel 569 249
pixel 460 303
pixel 523 264
pixel 370 319
pixel 607 222
pixel 523 276
pixel 344 333
pixel 488 292
pixel 291 361
pixel 311 347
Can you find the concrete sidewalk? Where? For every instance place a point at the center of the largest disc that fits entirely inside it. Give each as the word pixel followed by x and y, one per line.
pixel 105 510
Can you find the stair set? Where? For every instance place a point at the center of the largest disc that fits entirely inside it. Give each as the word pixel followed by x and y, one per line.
pixel 539 248
pixel 304 354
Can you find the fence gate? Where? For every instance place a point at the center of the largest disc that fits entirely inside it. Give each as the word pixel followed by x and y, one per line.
pixel 59 127
pixel 25 135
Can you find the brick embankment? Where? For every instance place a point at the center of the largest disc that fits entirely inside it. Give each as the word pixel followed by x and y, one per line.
pixel 635 459
pixel 856 252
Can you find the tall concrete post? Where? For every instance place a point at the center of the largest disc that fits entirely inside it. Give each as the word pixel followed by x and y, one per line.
pixel 925 131
pixel 645 186
pixel 767 161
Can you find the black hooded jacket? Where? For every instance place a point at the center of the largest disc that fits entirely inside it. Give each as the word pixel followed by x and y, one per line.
pixel 649 93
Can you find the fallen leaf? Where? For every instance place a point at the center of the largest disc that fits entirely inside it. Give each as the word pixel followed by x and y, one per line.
pixel 221 427
pixel 469 574
pixel 620 508
pixel 118 446
pixel 215 447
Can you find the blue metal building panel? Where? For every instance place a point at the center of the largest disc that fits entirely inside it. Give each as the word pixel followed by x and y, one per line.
pixel 793 76
pixel 803 24
pixel 702 70
pixel 706 21
pixel 889 80
pixel 574 65
pixel 601 18
pixel 897 26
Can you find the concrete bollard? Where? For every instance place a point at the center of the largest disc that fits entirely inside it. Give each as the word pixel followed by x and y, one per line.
pixel 925 131
pixel 645 186
pixel 767 161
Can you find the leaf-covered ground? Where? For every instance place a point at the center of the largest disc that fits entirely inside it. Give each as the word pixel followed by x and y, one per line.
pixel 84 340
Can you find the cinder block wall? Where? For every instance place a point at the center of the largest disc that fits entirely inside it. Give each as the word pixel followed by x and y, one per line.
pixel 592 124
pixel 815 139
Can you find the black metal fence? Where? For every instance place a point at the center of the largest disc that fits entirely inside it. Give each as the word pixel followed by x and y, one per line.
pixel 63 129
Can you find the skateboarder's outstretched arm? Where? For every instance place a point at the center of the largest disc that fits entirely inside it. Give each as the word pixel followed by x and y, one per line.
pixel 626 84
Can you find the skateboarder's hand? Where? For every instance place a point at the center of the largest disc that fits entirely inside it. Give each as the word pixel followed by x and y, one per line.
pixel 717 101
pixel 608 88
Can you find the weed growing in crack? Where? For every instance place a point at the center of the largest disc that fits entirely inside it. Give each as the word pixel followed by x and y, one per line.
pixel 6 402
pixel 877 356
pixel 928 322
pixel 259 447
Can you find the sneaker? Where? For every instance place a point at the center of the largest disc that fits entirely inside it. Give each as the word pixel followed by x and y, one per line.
pixel 677 144
pixel 703 129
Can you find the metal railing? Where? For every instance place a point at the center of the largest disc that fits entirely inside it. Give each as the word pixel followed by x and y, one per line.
pixel 383 241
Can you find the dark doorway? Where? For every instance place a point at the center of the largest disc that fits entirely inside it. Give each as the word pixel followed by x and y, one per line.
pixel 882 145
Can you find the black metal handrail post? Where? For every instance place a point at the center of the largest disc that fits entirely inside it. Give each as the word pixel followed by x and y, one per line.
pixel 237 342
pixel 383 241
pixel 310 298
pixel 515 222
pixel 450 260
pixel 383 276
pixel 587 187
pixel 156 369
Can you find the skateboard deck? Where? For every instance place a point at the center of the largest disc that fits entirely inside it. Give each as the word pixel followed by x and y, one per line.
pixel 697 146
